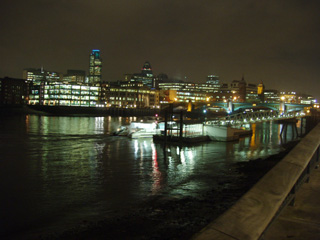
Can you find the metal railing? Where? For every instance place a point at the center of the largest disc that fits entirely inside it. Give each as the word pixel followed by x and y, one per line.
pixel 251 117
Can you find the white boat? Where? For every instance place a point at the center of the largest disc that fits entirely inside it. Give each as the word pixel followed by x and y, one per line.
pixel 121 131
pixel 144 129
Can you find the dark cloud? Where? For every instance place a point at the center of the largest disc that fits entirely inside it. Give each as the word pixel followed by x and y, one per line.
pixel 272 41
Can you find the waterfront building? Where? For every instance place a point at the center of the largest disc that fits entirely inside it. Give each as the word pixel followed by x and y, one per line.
pixel 64 94
pixel 95 67
pixel 13 91
pixel 75 76
pixel 252 93
pixel 36 76
pixel 129 95
pixel 183 92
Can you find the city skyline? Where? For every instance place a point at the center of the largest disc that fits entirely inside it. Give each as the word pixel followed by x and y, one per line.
pixel 268 41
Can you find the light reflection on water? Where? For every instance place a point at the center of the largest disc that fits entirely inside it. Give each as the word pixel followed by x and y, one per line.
pixel 56 171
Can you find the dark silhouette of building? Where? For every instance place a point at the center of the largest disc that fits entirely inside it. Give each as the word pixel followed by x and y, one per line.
pixel 239 88
pixel 13 91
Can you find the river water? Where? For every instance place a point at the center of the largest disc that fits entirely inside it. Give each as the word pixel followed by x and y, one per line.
pixel 56 172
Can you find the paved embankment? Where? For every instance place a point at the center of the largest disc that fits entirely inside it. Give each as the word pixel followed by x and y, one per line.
pixel 301 221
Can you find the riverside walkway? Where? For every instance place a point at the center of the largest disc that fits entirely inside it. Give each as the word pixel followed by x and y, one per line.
pixel 265 211
pixel 301 221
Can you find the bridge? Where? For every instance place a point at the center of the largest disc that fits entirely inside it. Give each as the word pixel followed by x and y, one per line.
pixel 252 117
pixel 235 106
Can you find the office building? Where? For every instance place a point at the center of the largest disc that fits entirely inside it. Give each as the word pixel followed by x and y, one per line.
pixel 36 76
pixel 95 68
pixel 129 95
pixel 74 76
pixel 252 93
pixel 64 94
pixel 145 77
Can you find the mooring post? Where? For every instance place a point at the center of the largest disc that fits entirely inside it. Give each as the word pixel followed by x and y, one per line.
pixel 165 125
pixel 181 126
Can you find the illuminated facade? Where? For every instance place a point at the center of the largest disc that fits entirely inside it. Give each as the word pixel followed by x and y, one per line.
pixel 95 67
pixel 288 97
pixel 145 77
pixel 252 93
pixel 129 95
pixel 75 76
pixel 213 79
pixel 224 94
pixel 271 96
pixel 61 94
pixel 307 99
pixel 183 92
pixel 36 76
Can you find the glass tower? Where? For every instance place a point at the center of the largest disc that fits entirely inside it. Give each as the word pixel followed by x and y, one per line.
pixel 95 66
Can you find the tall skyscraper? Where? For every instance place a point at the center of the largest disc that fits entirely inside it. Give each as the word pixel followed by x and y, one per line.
pixel 145 77
pixel 95 66
pixel 146 70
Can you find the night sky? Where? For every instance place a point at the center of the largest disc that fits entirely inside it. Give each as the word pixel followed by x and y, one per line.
pixel 274 41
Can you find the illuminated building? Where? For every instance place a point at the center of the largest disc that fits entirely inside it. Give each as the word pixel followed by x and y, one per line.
pixel 251 93
pixel 145 77
pixel 213 79
pixel 288 97
pixel 95 67
pixel 224 94
pixel 182 92
pixel 36 76
pixel 146 70
pixel 271 96
pixel 129 95
pixel 307 99
pixel 13 91
pixel 64 94
pixel 74 76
